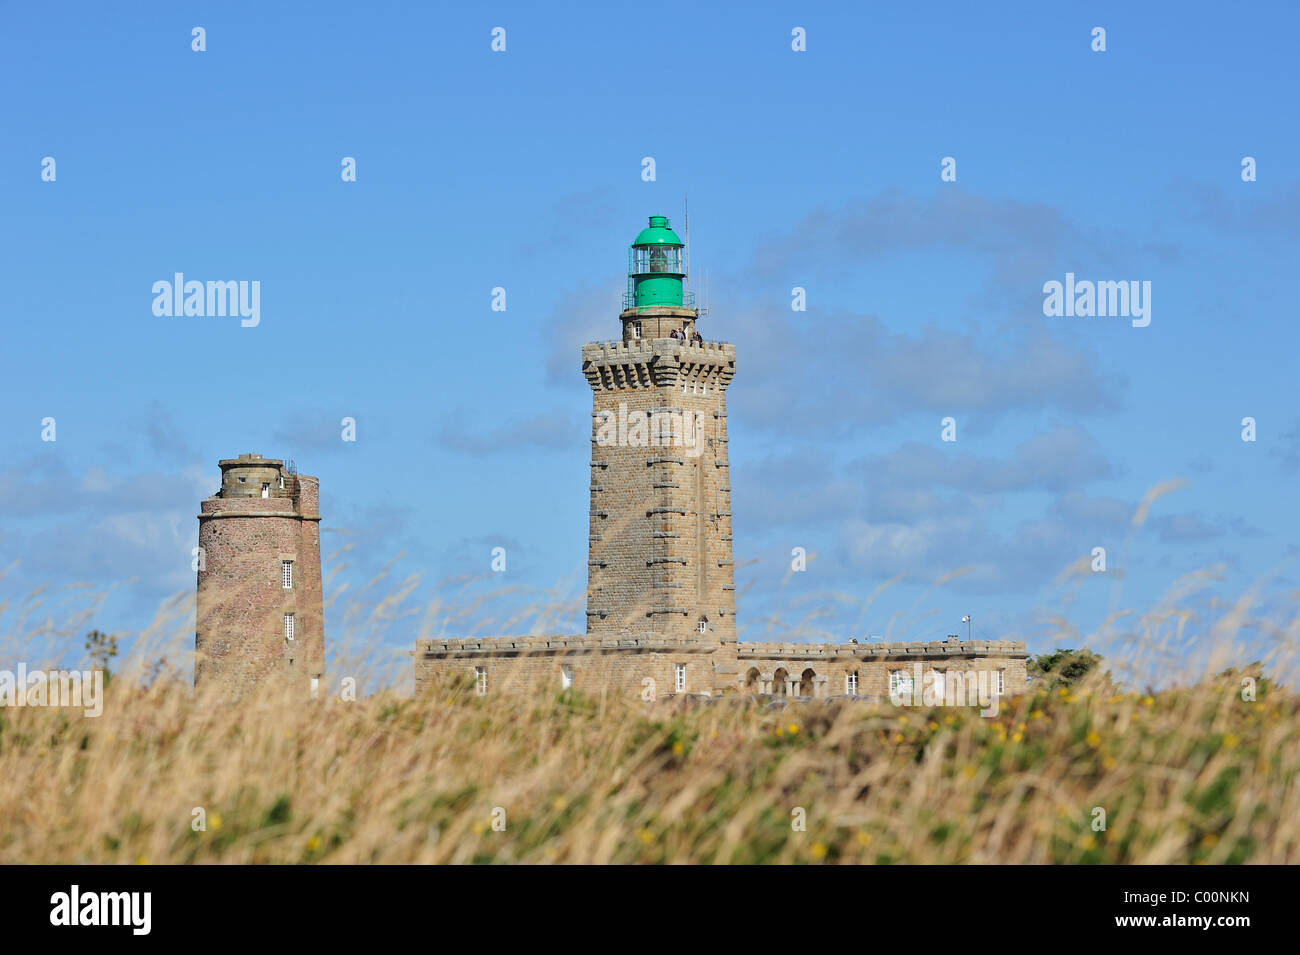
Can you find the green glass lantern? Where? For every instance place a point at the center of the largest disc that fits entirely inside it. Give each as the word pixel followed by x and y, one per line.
pixel 655 268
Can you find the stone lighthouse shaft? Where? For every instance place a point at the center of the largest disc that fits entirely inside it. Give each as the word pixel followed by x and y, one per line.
pixel 660 555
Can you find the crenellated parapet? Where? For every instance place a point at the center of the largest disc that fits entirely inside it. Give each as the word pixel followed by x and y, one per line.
pixel 657 362
pixel 436 647
pixel 880 651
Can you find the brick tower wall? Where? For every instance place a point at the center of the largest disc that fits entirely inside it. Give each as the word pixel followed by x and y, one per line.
pixel 241 601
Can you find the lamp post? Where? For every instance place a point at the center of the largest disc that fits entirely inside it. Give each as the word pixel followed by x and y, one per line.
pixel 966 620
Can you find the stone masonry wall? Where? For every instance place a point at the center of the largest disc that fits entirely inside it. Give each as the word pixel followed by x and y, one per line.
pixel 660 541
pixel 517 665
pixel 522 664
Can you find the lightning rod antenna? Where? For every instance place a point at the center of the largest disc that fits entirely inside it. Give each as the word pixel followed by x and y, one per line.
pixel 686 204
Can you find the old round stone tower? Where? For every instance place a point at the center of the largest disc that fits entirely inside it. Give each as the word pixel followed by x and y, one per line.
pixel 259 614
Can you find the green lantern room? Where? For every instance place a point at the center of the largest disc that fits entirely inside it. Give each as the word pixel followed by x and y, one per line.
pixel 656 301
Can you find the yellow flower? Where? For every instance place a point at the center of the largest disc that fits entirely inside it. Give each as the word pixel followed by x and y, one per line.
pixel 864 838
pixel 479 828
pixel 1088 842
pixel 793 728
pixel 1229 740
pixel 968 772
pixel 313 843
pixel 1094 738
pixel 898 737
pixel 1108 763
pixel 933 725
pixel 818 851
pixel 214 820
pixel 1210 840
pixel 1017 737
pixel 141 860
pixel 1036 715
pixel 558 802
pixel 1150 701
pixel 678 748
pixel 646 836
pixel 950 719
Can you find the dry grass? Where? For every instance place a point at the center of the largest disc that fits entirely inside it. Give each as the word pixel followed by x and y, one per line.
pixel 1190 775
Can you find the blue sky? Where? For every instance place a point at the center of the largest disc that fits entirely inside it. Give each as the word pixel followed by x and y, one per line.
pixel 522 169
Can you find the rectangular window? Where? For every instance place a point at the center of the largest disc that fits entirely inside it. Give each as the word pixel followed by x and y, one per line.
pixel 681 677
pixel 1001 682
pixel 315 686
pixel 288 626
pixel 851 684
pixel 266 490
pixel 286 574
pixel 636 329
pixel 566 677
pixel 480 680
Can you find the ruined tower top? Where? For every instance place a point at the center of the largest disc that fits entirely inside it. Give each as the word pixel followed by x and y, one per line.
pixel 251 475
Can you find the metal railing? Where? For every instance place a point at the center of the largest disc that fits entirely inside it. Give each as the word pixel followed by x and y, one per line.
pixel 706 341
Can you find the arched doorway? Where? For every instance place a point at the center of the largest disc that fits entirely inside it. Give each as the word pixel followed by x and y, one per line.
pixel 781 682
pixel 806 683
pixel 751 680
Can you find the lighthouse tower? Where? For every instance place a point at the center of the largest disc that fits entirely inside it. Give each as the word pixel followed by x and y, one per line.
pixel 259 611
pixel 660 569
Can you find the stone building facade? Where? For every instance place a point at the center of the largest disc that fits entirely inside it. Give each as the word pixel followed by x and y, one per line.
pixel 259 611
pixel 661 608
pixel 954 671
